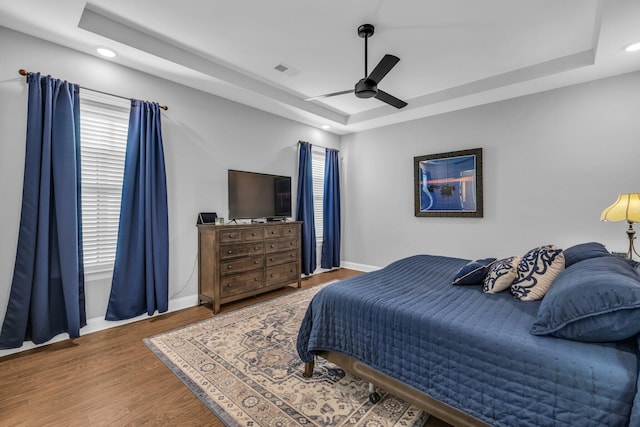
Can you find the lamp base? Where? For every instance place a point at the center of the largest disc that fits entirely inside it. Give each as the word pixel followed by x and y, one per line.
pixel 631 234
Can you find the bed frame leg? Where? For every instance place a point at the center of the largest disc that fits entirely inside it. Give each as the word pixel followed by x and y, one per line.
pixel 374 396
pixel 308 369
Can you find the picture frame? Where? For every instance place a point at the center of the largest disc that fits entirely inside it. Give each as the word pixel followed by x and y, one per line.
pixel 449 184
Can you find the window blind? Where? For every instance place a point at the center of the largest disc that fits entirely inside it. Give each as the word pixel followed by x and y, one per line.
pixel 317 174
pixel 104 122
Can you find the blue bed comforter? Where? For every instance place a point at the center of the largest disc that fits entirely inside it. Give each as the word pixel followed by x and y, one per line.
pixel 470 350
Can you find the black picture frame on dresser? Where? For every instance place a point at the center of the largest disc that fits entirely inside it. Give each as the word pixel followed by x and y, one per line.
pixel 207 218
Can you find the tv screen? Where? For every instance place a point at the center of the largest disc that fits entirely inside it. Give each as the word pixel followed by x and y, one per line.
pixel 258 195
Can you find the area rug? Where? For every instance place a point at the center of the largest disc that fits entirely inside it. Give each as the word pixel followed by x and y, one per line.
pixel 244 367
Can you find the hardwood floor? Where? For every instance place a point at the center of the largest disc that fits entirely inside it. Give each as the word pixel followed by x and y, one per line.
pixel 111 377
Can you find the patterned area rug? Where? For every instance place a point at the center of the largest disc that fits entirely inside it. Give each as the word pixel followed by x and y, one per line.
pixel 243 365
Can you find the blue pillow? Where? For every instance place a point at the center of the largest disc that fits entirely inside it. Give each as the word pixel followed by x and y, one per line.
pixel 597 300
pixel 474 272
pixel 584 251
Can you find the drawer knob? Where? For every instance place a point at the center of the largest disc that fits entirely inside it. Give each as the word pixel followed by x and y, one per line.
pixel 255 248
pixel 229 267
pixel 255 261
pixel 255 279
pixel 253 234
pixel 273 232
pixel 291 255
pixel 273 246
pixel 271 259
pixel 229 251
pixel 228 285
pixel 232 236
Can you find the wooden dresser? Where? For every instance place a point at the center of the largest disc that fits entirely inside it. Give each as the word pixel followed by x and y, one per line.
pixel 237 261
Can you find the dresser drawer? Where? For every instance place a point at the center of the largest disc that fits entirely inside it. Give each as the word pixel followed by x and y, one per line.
pixel 241 235
pixel 280 231
pixel 252 234
pixel 241 249
pixel 241 283
pixel 230 236
pixel 281 245
pixel 276 258
pixel 282 273
pixel 238 265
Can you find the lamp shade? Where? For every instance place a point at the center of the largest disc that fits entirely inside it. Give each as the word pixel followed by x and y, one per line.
pixel 626 208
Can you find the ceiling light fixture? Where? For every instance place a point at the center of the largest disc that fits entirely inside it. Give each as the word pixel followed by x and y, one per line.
pixel 633 47
pixel 106 52
pixel 326 127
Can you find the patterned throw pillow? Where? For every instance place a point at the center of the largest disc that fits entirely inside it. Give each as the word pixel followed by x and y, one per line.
pixel 473 273
pixel 501 274
pixel 536 271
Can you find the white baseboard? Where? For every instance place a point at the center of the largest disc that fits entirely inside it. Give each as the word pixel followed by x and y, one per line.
pixel 99 324
pixel 360 267
pixel 346 264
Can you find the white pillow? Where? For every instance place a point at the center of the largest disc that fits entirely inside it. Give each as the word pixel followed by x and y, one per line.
pixel 537 270
pixel 501 274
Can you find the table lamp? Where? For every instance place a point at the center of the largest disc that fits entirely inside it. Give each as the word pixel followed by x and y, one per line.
pixel 626 208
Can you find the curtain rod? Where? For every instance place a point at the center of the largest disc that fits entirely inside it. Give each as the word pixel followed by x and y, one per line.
pixel 318 145
pixel 26 73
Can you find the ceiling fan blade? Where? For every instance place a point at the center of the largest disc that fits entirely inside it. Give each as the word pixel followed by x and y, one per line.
pixel 390 99
pixel 329 95
pixel 384 66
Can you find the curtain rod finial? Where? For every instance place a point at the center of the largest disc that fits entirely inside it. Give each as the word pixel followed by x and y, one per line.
pixel 23 72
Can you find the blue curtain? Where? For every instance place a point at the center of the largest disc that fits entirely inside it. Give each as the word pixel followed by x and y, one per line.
pixel 141 270
pixel 331 211
pixel 47 290
pixel 304 212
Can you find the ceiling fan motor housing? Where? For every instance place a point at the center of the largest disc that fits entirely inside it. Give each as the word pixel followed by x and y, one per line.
pixel 366 88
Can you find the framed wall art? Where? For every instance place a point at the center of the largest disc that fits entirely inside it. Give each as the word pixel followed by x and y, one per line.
pixel 449 184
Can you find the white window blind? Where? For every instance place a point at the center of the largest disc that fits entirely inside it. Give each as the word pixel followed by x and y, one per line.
pixel 104 121
pixel 317 173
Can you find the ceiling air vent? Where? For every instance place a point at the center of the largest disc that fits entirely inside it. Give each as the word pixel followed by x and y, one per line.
pixel 283 68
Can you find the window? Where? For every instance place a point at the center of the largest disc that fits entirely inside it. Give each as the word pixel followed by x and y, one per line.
pixel 104 122
pixel 317 174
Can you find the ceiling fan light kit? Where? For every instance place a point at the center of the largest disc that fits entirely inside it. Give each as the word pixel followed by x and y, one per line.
pixel 367 87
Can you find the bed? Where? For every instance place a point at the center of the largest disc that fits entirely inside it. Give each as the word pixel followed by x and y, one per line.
pixel 469 357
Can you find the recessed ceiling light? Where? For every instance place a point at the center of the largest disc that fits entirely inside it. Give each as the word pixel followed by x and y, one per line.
pixel 633 47
pixel 325 127
pixel 107 53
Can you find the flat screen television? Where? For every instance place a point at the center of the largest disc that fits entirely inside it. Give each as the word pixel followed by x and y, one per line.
pixel 259 195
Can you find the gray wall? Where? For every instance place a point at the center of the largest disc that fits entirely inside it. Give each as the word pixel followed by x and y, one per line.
pixel 204 135
pixel 552 162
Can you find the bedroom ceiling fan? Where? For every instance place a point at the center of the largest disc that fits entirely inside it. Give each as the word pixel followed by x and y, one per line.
pixel 367 87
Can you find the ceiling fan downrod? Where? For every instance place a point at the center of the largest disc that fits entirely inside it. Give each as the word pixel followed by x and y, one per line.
pixel 365 88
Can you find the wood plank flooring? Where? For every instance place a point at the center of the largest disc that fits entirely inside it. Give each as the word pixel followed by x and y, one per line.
pixel 111 378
